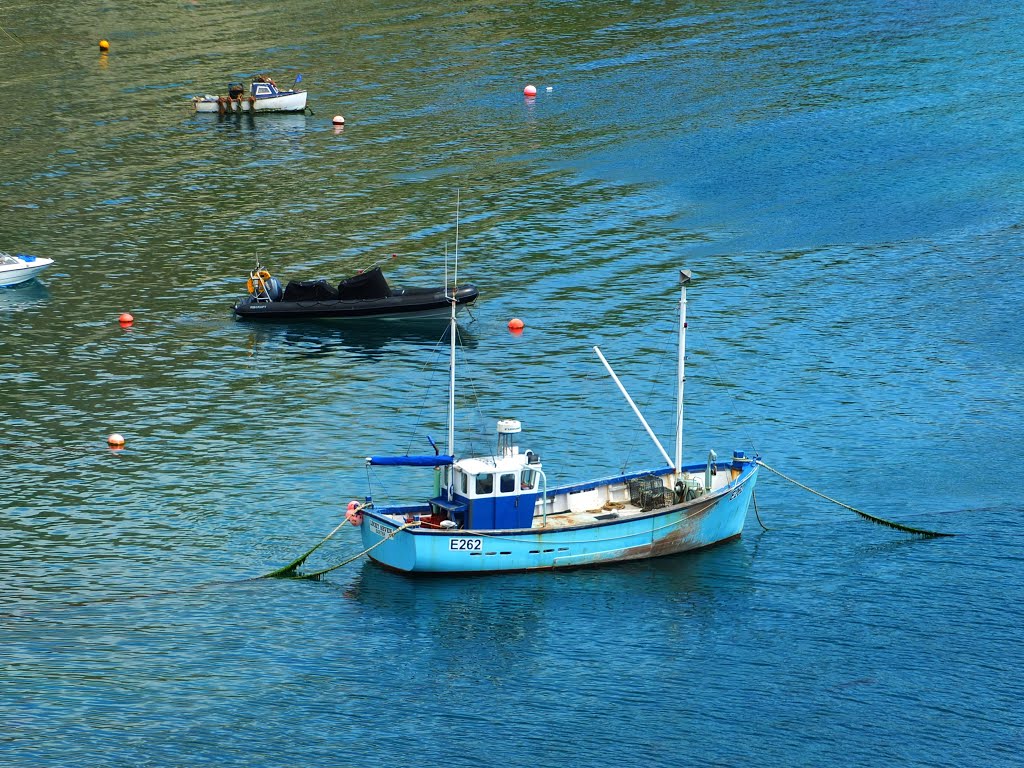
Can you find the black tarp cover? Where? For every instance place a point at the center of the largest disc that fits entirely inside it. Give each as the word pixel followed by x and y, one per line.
pixel 310 290
pixel 371 284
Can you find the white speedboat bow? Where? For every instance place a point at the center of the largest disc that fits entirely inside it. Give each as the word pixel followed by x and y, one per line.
pixel 20 267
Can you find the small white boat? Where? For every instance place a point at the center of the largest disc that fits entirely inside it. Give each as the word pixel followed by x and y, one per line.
pixel 20 267
pixel 264 96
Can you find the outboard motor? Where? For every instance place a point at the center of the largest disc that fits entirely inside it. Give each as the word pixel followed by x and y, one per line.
pixel 235 90
pixel 273 288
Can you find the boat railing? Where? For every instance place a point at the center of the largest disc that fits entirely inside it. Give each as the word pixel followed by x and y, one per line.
pixel 544 500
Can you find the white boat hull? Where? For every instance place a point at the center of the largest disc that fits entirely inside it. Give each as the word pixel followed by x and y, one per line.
pixel 21 272
pixel 294 101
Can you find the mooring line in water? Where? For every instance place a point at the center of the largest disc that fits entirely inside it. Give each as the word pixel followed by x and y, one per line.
pixel 753 497
pixel 288 571
pixel 865 515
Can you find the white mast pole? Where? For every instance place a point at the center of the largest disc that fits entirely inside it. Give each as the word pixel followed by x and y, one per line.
pixel 636 410
pixel 451 361
pixel 684 278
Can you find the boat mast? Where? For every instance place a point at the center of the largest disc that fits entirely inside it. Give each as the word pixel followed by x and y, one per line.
pixel 451 360
pixel 684 279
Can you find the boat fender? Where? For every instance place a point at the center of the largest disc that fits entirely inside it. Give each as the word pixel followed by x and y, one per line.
pixel 353 514
pixel 263 275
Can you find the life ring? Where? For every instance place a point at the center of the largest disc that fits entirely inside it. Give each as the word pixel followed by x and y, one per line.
pixel 262 276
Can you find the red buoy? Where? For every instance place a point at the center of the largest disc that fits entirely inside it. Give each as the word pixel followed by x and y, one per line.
pixel 515 324
pixel 126 318
pixel 530 91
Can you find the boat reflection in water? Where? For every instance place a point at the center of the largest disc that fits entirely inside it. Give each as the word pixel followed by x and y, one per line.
pixel 28 294
pixel 365 338
pixel 268 126
pixel 690 587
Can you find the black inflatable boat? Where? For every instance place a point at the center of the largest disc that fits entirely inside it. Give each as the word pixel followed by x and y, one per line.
pixel 365 295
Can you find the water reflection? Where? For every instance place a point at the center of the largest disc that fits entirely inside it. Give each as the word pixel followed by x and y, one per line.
pixel 22 296
pixel 367 338
pixel 458 612
pixel 261 124
pixel 678 577
pixel 488 619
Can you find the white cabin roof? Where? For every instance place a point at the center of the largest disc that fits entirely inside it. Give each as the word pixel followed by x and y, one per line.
pixel 478 465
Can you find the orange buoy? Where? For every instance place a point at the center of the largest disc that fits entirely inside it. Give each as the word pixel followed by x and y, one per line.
pixel 115 441
pixel 530 91
pixel 515 324
pixel 126 318
pixel 104 45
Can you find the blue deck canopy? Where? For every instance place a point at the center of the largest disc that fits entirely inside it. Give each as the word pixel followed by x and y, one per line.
pixel 411 461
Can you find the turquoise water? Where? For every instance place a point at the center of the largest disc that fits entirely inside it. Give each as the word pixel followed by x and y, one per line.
pixel 843 180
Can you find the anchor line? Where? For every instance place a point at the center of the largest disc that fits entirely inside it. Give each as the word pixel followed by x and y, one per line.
pixel 753 497
pixel 880 521
pixel 317 574
pixel 289 571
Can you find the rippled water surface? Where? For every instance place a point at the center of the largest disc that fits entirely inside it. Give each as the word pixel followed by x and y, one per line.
pixel 842 178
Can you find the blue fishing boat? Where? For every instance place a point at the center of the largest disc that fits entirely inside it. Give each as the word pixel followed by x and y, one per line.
pixel 496 513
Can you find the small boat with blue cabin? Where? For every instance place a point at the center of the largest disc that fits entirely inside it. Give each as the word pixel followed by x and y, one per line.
pixel 16 268
pixel 264 96
pixel 495 513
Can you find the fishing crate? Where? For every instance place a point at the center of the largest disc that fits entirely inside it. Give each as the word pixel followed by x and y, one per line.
pixel 648 493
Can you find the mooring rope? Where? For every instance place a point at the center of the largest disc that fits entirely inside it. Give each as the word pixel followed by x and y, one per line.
pixel 317 574
pixel 289 571
pixel 865 515
pixel 753 497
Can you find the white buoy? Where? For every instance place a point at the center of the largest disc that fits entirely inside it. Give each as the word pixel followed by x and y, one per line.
pixel 338 120
pixel 115 440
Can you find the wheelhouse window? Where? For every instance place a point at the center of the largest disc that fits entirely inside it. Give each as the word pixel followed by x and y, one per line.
pixel 507 482
pixel 262 90
pixel 484 485
pixel 529 481
pixel 463 484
